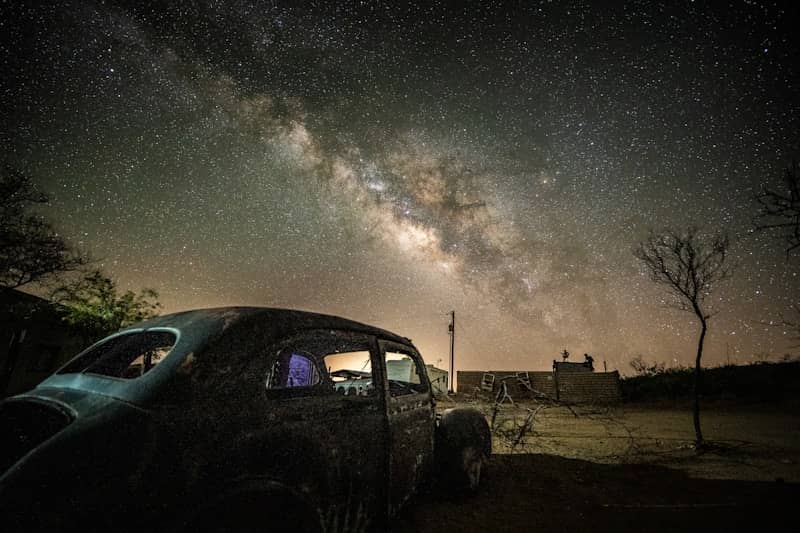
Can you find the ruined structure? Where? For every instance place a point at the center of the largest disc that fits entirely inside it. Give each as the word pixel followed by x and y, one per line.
pixel 34 341
pixel 567 382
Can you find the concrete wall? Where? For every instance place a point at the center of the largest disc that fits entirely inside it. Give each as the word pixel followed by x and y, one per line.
pixel 564 367
pixel 540 381
pixel 573 387
pixel 589 387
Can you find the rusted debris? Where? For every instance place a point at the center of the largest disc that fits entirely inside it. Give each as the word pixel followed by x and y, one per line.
pixel 527 425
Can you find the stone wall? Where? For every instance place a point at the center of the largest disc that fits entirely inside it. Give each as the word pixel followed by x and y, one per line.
pixel 589 387
pixel 540 381
pixel 573 387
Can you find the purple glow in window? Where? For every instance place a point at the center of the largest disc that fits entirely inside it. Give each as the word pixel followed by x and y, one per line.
pixel 300 372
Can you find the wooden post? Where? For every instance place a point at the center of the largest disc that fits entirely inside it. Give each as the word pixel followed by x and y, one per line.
pixel 555 378
pixel 452 330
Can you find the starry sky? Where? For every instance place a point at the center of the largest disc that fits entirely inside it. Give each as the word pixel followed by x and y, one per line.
pixel 392 163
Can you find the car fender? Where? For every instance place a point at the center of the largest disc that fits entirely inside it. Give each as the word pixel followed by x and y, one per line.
pixel 463 443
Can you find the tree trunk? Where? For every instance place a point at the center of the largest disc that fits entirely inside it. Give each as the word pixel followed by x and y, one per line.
pixel 697 383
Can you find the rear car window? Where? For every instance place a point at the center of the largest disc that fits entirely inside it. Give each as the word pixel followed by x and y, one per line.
pixel 126 356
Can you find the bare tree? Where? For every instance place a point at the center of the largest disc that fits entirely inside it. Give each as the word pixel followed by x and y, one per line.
pixel 690 266
pixel 792 324
pixel 779 211
pixel 30 248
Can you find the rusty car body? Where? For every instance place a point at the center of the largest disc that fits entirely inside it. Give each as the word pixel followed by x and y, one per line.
pixel 231 419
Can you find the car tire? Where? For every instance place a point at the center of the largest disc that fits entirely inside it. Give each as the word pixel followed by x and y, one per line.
pixel 463 447
pixel 472 467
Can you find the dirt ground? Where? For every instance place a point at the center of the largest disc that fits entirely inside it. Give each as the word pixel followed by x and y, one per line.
pixel 628 468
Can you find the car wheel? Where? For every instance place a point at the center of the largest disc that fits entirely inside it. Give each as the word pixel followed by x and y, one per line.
pixel 463 447
pixel 472 466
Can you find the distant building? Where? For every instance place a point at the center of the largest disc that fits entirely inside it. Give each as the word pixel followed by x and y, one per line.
pixel 34 342
pixel 403 370
pixel 438 379
pixel 567 382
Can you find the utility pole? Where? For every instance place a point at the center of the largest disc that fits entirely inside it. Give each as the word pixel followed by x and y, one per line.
pixel 452 329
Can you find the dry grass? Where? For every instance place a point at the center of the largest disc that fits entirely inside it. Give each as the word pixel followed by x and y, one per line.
pixel 747 442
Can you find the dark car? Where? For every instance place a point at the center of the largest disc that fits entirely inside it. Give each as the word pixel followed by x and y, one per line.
pixel 232 419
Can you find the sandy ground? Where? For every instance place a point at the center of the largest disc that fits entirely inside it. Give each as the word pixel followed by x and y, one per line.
pixel 753 443
pixel 628 468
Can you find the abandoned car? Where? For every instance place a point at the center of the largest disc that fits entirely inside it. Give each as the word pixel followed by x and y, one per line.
pixel 232 419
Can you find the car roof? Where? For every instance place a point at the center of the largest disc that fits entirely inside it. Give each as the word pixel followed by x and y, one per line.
pixel 213 321
pixel 196 330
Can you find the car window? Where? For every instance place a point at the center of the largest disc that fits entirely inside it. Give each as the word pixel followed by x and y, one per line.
pixel 125 356
pixel 351 372
pixel 293 369
pixel 323 362
pixel 403 374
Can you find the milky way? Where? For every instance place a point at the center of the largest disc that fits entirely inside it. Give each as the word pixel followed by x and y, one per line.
pixel 393 163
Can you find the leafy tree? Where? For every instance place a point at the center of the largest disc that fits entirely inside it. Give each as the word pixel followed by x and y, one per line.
pixel 94 307
pixel 30 248
pixel 779 210
pixel 689 265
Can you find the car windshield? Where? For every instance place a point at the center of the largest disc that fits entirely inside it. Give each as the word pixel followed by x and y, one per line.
pixel 126 356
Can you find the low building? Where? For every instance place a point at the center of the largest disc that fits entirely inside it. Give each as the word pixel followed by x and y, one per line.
pixel 403 370
pixel 34 342
pixel 438 379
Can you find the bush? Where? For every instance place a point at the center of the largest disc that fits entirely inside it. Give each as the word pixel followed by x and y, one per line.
pixel 765 381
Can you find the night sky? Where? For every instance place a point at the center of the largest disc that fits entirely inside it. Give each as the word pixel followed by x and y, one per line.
pixel 390 164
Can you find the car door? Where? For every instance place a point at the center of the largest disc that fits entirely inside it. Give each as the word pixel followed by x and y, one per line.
pixel 329 419
pixel 411 419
